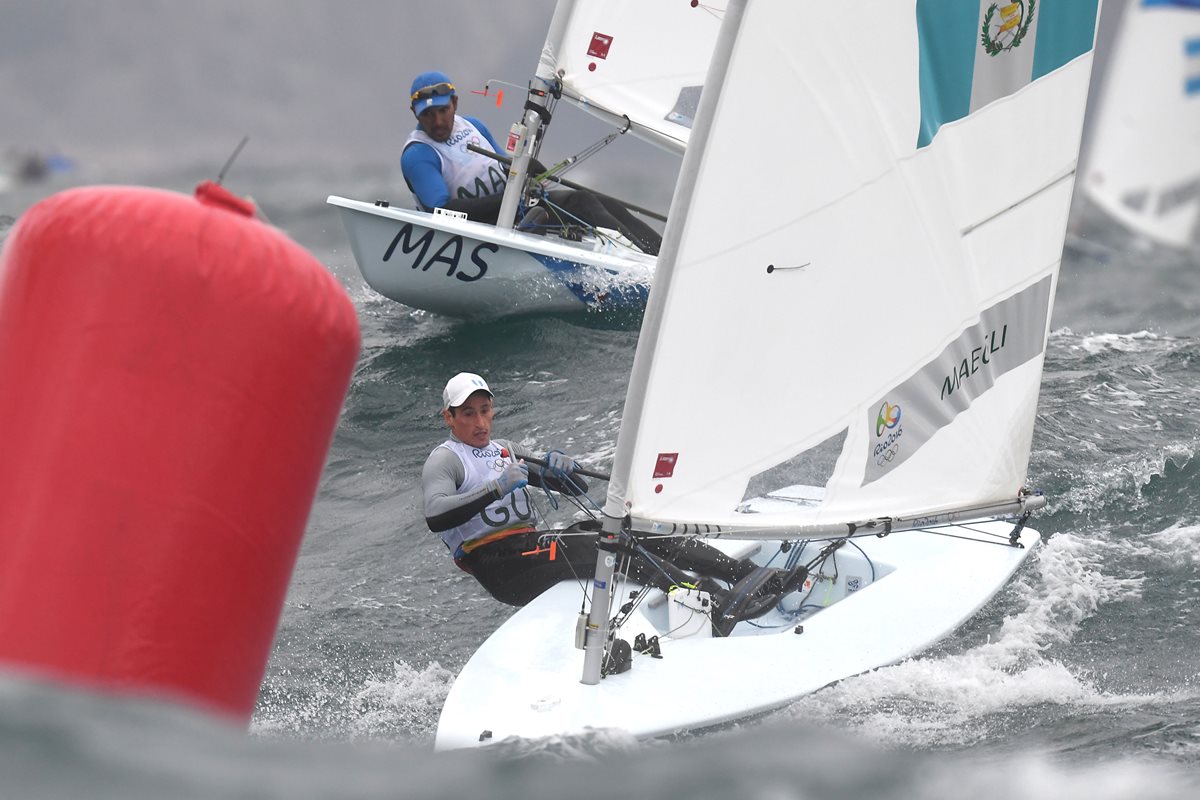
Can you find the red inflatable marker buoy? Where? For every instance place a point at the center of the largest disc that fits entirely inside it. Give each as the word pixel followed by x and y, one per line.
pixel 171 374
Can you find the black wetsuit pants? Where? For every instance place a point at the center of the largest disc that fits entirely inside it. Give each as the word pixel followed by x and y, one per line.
pixel 515 569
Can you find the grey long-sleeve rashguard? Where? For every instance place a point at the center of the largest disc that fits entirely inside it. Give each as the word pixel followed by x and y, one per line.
pixel 443 473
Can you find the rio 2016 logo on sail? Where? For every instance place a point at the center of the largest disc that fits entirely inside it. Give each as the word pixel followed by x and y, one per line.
pixel 888 419
pixel 449 254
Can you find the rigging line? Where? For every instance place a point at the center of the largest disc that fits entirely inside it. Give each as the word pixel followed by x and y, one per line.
pixel 621 616
pixel 977 530
pixel 581 580
pixel 572 185
pixel 570 162
pixel 706 614
pixel 617 119
pixel 557 209
pixel 574 499
pixel 553 501
pixel 867 558
pixel 560 215
pixel 625 613
pixel 932 532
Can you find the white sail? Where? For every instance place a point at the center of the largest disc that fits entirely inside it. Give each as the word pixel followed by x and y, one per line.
pixel 877 288
pixel 641 59
pixel 1142 165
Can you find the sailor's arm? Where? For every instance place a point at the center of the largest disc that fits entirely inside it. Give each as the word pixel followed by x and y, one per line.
pixel 422 171
pixel 445 508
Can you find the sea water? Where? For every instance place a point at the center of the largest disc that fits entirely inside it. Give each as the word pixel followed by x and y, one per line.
pixel 1080 680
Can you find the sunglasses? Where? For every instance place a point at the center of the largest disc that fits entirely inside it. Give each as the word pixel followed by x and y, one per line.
pixel 436 90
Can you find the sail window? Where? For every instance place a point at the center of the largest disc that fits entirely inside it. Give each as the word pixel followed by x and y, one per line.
pixel 799 481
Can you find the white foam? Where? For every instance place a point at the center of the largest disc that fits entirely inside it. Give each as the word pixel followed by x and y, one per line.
pixel 1175 544
pixel 954 698
pixel 408 703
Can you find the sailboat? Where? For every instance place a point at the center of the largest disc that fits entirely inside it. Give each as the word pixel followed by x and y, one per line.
pixel 845 382
pixel 1142 159
pixel 639 67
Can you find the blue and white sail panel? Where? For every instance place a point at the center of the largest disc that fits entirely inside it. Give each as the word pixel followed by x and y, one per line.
pixel 1191 56
pixel 974 55
pixel 1191 43
pixel 1142 164
pixel 860 262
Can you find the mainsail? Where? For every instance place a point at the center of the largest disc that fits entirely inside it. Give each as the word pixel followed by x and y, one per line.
pixel 634 59
pixel 1142 164
pixel 861 257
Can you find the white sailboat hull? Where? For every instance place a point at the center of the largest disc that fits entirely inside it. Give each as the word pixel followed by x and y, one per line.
pixel 467 269
pixel 525 679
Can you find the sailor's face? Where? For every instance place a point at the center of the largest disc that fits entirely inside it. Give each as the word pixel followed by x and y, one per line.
pixel 438 121
pixel 471 423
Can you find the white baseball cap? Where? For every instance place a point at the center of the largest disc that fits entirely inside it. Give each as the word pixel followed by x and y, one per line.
pixel 462 386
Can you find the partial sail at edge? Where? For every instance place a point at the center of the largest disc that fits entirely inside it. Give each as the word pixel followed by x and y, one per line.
pixel 637 59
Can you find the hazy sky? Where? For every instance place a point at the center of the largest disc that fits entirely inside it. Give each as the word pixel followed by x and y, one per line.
pixel 135 81
pixel 93 77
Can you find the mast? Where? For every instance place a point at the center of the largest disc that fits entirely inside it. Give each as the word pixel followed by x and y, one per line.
pixel 614 507
pixel 537 117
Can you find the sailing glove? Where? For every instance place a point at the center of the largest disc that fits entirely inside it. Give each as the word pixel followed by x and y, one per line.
pixel 514 477
pixel 559 463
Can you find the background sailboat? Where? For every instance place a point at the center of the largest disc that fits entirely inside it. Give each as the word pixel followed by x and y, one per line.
pixel 638 66
pixel 1142 163
pixel 874 325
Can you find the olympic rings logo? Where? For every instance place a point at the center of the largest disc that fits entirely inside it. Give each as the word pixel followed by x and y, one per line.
pixel 887 455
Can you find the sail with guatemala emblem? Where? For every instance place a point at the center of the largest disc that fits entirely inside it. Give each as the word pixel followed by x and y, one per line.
pixel 960 161
pixel 1142 157
pixel 861 425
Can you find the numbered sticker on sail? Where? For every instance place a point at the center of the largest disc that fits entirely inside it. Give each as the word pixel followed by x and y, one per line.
pixel 1007 335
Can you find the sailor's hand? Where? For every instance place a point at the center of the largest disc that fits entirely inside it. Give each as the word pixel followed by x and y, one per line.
pixel 514 477
pixel 559 463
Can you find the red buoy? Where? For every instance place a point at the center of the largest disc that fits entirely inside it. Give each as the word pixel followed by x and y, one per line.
pixel 171 373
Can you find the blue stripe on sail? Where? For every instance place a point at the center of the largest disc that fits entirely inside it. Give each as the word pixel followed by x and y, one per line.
pixel 948 33
pixel 1191 50
pixel 1178 3
pixel 1066 29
